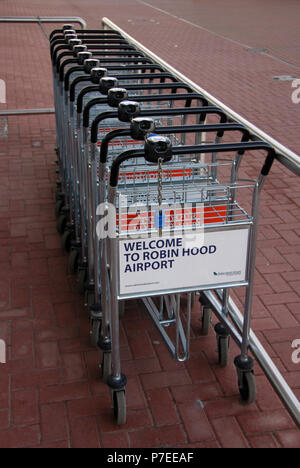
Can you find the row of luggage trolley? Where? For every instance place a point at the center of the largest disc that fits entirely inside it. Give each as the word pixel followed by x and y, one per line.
pixel 149 202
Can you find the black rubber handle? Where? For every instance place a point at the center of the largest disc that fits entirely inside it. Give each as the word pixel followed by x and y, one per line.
pixel 107 57
pixel 198 149
pixel 201 111
pixel 94 89
pixel 138 133
pixel 99 47
pixel 59 32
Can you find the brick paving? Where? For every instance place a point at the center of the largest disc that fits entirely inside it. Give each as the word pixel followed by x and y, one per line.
pixel 50 391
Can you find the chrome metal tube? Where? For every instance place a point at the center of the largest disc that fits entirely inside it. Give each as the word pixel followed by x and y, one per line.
pixel 44 19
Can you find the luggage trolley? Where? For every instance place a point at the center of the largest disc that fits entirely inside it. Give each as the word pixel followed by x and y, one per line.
pixel 200 240
pixel 140 127
pixel 75 46
pixel 116 120
pixel 127 110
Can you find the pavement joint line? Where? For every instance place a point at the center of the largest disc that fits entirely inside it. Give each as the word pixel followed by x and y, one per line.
pixel 245 46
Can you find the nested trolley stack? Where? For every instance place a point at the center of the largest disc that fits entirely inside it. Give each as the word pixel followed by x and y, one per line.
pixel 146 207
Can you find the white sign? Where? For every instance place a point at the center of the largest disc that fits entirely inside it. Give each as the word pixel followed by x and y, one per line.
pixel 167 263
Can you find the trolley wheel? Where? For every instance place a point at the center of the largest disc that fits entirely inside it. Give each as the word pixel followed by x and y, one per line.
pixel 82 280
pixel 58 207
pixel 121 309
pixel 206 320
pixel 105 367
pixel 73 261
pixel 223 350
pixel 61 224
pixel 89 299
pixel 66 241
pixel 95 332
pixel 119 405
pixel 58 192
pixel 247 386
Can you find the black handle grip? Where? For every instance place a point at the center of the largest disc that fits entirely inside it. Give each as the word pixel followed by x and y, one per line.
pixel 145 113
pixel 138 133
pixel 57 33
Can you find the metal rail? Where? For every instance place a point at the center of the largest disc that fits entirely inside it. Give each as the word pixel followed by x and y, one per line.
pixel 8 113
pixel 291 161
pixel 287 157
pixel 44 19
pixel 38 19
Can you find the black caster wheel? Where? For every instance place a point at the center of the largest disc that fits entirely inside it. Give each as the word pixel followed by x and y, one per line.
pixel 58 207
pixel 95 332
pixel 105 367
pixel 223 344
pixel 119 405
pixel 246 379
pixel 73 261
pixel 89 299
pixel 206 320
pixel 61 224
pixel 66 241
pixel 82 280
pixel 223 350
pixel 247 386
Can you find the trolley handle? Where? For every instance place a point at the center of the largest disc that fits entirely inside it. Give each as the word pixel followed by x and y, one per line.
pixel 90 89
pixel 122 57
pixel 97 51
pixel 126 112
pixel 138 133
pixel 188 97
pixel 61 45
pixel 156 147
pixel 151 67
pixel 90 39
pixel 111 48
pixel 93 89
pixel 152 154
pixel 201 111
pixel 89 64
pixel 228 147
pixel 59 33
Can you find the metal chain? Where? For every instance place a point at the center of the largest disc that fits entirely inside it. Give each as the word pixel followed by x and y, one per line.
pixel 159 186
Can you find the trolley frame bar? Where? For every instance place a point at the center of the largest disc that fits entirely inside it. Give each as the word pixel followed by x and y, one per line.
pixel 38 19
pixel 8 113
pixel 292 162
pixel 44 19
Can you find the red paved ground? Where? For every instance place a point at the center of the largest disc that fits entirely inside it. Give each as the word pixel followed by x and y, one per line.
pixel 50 393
